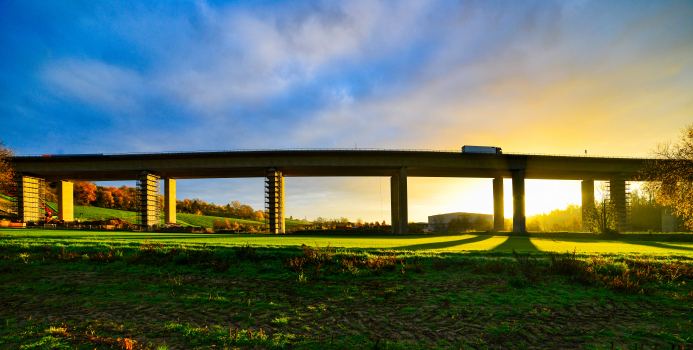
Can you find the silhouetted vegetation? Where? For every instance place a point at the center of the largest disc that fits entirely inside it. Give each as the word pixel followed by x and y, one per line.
pixel 671 175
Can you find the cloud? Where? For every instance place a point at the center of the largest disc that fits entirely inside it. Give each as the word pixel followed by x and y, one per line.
pixel 546 89
pixel 545 77
pixel 96 83
pixel 248 56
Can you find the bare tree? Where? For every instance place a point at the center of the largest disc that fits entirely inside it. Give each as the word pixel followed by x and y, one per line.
pixel 601 217
pixel 671 174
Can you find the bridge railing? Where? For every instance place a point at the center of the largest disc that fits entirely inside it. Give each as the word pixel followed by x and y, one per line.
pixel 314 150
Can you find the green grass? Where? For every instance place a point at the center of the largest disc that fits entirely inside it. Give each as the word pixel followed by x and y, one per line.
pixel 208 221
pixel 97 213
pixel 68 290
pixel 446 243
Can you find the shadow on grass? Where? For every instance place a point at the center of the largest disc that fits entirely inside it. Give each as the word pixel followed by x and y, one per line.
pixel 520 244
pixel 660 245
pixel 448 244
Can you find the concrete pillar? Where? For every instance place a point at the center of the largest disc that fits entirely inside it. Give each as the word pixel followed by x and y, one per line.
pixel 498 206
pixel 587 202
pixel 519 224
pixel 66 207
pixel 274 201
pixel 619 199
pixel 403 202
pixel 669 220
pixel 170 201
pixel 29 194
pixel 394 203
pixel 149 205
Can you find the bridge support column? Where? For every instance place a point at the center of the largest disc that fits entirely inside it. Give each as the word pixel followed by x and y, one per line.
pixel 29 194
pixel 148 202
pixel 619 198
pixel 519 224
pixel 403 202
pixel 498 207
pixel 394 203
pixel 274 201
pixel 587 202
pixel 66 208
pixel 169 201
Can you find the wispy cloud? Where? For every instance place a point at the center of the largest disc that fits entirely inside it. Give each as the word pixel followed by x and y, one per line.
pixel 546 77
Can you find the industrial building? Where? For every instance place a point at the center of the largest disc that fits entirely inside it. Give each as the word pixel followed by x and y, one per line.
pixel 465 221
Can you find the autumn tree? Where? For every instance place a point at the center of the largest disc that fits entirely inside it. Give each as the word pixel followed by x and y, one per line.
pixel 670 175
pixel 7 174
pixel 85 192
pixel 104 197
pixel 646 213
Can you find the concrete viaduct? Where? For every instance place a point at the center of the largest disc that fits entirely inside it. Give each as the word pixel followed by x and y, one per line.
pixel 274 165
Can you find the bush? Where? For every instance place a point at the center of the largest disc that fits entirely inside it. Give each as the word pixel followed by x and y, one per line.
pixel 529 267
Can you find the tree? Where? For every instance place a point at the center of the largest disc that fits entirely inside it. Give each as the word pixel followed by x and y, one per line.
pixel 601 217
pixel 459 224
pixel 414 227
pixel 218 225
pixel 438 225
pixel 104 198
pixel 534 225
pixel 85 192
pixel 671 175
pixel 645 212
pixel 7 174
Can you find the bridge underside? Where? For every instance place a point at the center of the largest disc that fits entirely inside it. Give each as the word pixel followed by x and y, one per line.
pixel 213 173
pixel 398 165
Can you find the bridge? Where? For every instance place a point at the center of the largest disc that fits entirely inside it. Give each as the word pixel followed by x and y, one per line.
pixel 274 165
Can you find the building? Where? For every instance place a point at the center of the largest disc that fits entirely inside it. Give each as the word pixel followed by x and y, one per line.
pixel 460 222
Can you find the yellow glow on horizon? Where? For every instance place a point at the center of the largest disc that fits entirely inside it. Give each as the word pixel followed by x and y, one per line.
pixel 430 196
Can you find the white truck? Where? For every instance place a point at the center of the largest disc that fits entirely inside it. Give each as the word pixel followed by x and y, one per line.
pixel 481 149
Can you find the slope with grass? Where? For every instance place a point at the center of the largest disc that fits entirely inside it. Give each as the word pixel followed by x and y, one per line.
pixel 208 221
pixel 97 213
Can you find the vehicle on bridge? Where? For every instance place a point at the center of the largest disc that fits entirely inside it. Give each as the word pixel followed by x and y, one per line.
pixel 481 149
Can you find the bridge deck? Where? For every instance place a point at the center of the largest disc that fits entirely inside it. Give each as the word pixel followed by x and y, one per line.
pixel 305 163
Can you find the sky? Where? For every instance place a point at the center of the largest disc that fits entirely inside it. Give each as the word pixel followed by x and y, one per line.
pixel 612 78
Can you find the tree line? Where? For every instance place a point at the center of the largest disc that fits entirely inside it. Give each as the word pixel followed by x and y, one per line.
pixel 325 223
pixel 233 210
pixel 125 198
pixel 645 214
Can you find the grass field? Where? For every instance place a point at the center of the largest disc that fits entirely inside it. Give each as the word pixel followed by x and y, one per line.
pixel 87 289
pixel 96 213
pixel 443 243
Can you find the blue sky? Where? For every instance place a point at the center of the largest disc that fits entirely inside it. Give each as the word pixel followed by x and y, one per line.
pixel 613 78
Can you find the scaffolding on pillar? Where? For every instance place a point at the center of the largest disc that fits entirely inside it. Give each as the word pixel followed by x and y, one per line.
pixel 622 204
pixel 149 202
pixel 30 193
pixel 273 202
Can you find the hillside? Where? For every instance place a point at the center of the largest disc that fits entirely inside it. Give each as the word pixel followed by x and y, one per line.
pixel 96 213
